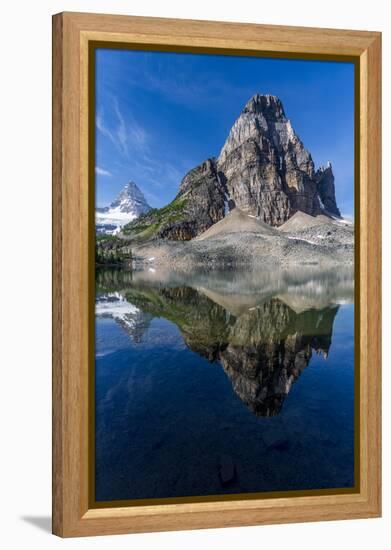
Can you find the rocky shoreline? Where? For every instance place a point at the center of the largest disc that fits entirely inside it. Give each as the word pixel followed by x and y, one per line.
pixel 237 245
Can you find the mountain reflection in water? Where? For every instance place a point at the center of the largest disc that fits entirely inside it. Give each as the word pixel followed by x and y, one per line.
pixel 200 385
pixel 262 327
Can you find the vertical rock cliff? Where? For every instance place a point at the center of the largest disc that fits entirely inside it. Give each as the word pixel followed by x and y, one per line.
pixel 268 171
pixel 203 196
pixel 324 178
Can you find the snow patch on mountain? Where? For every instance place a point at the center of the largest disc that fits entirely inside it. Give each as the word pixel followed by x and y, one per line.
pixel 114 305
pixel 128 206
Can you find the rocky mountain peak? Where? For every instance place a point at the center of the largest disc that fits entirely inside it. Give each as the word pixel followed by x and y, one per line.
pixel 324 178
pixel 263 169
pixel 268 171
pixel 268 105
pixel 131 200
pixel 205 169
pixel 129 205
pixel 263 122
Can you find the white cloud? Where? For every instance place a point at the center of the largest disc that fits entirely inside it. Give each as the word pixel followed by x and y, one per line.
pixel 127 135
pixel 103 129
pixel 102 171
pixel 120 132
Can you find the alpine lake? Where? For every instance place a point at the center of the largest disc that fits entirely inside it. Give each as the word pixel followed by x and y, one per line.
pixel 223 382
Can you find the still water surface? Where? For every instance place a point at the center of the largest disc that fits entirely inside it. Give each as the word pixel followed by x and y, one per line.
pixel 223 382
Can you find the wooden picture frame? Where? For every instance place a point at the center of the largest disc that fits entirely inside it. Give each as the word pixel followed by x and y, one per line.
pixel 73 36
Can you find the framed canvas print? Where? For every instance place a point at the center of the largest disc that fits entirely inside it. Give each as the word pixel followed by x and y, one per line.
pixel 216 274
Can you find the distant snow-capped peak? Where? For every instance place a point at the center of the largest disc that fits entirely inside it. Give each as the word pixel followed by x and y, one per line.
pixel 131 200
pixel 128 205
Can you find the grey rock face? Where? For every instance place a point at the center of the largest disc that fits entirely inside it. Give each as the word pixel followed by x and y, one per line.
pixel 268 171
pixel 325 184
pixel 263 169
pixel 204 193
pixel 200 202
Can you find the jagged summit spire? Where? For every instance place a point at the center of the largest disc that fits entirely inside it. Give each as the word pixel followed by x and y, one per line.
pixel 324 168
pixel 266 104
pixel 263 118
pixel 129 186
pixel 269 173
pixel 129 196
pixel 129 204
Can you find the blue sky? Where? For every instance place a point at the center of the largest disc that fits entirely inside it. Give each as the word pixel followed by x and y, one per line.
pixel 160 114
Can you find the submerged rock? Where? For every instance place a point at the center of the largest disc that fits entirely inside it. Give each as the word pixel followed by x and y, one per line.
pixel 226 469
